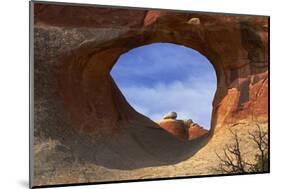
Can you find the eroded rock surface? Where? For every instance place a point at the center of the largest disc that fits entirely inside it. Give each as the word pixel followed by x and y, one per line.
pixel 181 129
pixel 196 131
pixel 174 127
pixel 85 131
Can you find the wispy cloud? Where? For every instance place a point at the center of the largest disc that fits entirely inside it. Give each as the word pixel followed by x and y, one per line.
pixel 189 101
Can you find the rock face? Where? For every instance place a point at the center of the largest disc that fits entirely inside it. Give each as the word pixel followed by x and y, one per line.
pixel 174 127
pixel 196 131
pixel 188 122
pixel 80 114
pixel 181 129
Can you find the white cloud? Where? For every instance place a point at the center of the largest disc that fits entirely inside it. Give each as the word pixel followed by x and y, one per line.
pixel 190 100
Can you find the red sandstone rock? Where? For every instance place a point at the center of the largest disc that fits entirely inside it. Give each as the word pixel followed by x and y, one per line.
pixel 183 130
pixel 174 127
pixel 196 131
pixel 76 16
pixel 236 46
pixel 152 16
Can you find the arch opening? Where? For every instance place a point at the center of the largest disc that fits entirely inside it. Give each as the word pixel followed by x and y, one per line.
pixel 159 78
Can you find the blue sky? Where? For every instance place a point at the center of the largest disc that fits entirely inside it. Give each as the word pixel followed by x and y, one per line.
pixel 163 77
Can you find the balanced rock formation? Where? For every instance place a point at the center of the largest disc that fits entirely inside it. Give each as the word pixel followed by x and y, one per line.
pixel 173 126
pixel 181 129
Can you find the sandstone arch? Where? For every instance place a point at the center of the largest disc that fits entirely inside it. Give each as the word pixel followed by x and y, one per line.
pixel 227 60
pixel 74 55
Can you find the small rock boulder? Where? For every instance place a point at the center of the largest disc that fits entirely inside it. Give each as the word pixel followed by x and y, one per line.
pixel 170 115
pixel 194 21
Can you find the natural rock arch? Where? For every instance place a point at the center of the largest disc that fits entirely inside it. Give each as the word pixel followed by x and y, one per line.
pixel 77 53
pixel 100 58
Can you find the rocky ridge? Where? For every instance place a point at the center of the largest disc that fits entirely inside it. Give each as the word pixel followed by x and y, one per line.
pixel 181 129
